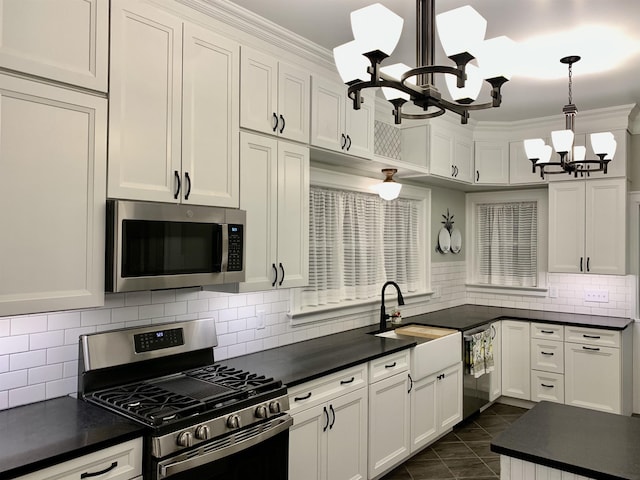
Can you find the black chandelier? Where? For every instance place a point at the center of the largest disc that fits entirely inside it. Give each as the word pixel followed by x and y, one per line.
pixel 377 31
pixel 572 158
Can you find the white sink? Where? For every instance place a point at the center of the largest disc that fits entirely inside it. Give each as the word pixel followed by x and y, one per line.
pixel 389 334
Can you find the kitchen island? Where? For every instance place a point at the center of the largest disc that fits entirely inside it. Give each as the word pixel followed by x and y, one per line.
pixel 552 437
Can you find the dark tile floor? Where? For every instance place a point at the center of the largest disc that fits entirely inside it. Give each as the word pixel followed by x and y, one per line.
pixel 463 453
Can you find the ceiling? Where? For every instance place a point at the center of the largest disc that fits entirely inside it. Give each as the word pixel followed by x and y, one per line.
pixel 545 31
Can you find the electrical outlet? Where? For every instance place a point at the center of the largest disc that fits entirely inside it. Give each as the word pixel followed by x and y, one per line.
pixel 259 319
pixel 436 292
pixel 600 296
pixel 553 291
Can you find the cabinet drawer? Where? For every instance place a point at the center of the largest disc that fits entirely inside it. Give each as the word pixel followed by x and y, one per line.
pixel 547 355
pixel 547 331
pixel 120 462
pixel 320 390
pixel 547 386
pixel 388 365
pixel 592 336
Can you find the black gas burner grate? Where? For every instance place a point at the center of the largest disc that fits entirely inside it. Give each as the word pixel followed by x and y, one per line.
pixel 233 378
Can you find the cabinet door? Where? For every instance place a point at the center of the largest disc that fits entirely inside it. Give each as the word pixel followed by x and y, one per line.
pixel 463 159
pixel 441 153
pixel 52 186
pixel 294 98
pixel 566 227
pixel 259 197
pixel 293 215
pixel 492 163
pixel 327 114
pixel 605 226
pixel 389 423
pixel 308 444
pixel 592 377
pixel 520 170
pixel 515 359
pixel 145 102
pixel 258 91
pixel 359 127
pixel 495 377
pixel 210 141
pixel 72 47
pixel 347 437
pixel 424 421
pixel 450 398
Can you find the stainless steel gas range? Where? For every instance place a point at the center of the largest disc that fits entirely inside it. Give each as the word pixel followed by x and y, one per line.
pixel 203 418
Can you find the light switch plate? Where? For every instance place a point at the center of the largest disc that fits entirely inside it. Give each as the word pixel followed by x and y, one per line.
pixel 259 319
pixel 553 291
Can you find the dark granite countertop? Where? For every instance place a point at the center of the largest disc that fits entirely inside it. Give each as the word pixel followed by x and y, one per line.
pixel 42 434
pixel 577 440
pixel 303 361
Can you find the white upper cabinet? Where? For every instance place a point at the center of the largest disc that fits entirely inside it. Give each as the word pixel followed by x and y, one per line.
pixel 491 163
pixel 62 40
pixel 173 118
pixel 274 96
pixel 520 169
pixel 335 125
pixel 52 188
pixel 587 226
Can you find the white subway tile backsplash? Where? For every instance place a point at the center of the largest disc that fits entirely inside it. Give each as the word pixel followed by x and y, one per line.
pixel 28 324
pixel 45 374
pixel 38 341
pixel 124 314
pixel 62 354
pixel 5 327
pixel 59 388
pixel 247 312
pixel 187 294
pixel 4 363
pixel 237 350
pixel 137 298
pixel 163 296
pixel 64 320
pixel 95 317
pixel 34 358
pixel 228 314
pixel 176 308
pixel 4 399
pixel 25 395
pixel 155 310
pixel 19 343
pixel 237 301
pixel 72 335
pixel 238 325
pixel 196 306
pixel 11 380
pixel 70 369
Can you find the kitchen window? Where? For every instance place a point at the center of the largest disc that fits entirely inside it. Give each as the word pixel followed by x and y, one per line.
pixel 508 232
pixel 357 241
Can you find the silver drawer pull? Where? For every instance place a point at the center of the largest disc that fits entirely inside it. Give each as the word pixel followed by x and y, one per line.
pixel 547 353
pixel 390 366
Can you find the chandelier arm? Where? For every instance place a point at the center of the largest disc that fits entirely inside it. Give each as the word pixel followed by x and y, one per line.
pixel 430 69
pixel 423 116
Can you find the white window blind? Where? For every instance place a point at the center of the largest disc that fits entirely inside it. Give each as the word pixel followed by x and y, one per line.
pixel 357 242
pixel 507 239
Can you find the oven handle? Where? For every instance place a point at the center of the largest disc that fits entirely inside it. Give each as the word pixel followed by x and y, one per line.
pixel 165 471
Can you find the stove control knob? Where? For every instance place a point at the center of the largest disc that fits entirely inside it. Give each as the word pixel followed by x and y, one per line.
pixel 233 421
pixel 262 412
pixel 274 407
pixel 185 439
pixel 203 432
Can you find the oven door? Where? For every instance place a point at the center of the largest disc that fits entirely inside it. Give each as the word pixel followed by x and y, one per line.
pixel 259 452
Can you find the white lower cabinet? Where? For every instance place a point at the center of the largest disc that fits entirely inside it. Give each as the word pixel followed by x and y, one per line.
pixel 119 462
pixel 595 373
pixel 389 412
pixel 516 375
pixel 328 439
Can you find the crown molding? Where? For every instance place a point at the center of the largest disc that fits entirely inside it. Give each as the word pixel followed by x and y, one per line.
pixel 259 27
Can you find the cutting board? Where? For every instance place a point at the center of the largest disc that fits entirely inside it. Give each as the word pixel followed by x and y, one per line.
pixel 424 331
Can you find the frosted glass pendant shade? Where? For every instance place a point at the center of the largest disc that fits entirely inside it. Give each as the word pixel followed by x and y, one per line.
pixel 579 153
pixel 460 30
pixel 388 190
pixel 350 62
pixel 603 142
pixel 533 148
pixel 396 71
pixel 496 57
pixel 545 154
pixel 471 89
pixel 562 140
pixel 376 28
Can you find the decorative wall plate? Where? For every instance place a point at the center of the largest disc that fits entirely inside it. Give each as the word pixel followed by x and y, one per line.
pixel 456 241
pixel 444 240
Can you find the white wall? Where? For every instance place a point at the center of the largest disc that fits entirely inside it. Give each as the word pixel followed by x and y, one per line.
pixel 39 353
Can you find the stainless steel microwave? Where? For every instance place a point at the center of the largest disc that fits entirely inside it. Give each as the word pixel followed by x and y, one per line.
pixel 151 246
